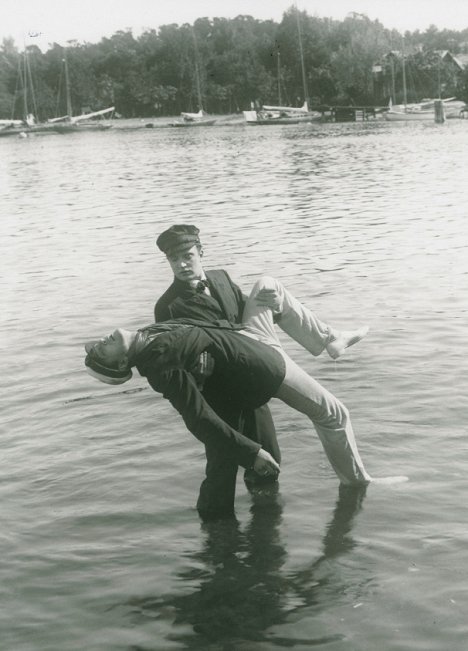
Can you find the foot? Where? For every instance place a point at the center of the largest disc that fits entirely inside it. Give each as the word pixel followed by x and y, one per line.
pixel 345 339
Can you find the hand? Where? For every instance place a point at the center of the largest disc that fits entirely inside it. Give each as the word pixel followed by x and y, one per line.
pixel 269 298
pixel 265 464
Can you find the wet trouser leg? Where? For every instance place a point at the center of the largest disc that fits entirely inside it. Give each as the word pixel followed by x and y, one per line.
pixel 297 321
pixel 330 418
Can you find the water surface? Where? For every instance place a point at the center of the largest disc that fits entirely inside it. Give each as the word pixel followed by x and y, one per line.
pixel 101 544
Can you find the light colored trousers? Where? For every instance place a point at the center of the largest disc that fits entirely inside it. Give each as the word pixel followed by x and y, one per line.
pixel 300 391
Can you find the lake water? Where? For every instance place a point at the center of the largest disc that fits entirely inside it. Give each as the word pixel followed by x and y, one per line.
pixel 101 545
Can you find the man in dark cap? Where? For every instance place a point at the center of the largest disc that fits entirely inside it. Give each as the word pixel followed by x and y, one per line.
pixel 213 297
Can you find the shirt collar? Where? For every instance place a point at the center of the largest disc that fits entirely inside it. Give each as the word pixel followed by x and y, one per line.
pixel 192 284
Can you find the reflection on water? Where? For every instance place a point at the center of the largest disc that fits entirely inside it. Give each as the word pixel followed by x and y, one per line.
pixel 240 589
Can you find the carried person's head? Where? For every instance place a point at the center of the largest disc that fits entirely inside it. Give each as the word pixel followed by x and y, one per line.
pixel 184 252
pixel 107 359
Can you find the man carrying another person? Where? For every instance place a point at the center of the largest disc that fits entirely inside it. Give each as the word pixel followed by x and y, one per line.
pixel 211 295
pixel 212 373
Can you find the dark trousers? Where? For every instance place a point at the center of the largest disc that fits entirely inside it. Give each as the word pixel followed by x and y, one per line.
pixel 218 489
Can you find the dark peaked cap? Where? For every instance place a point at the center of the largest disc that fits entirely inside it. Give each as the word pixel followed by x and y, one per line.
pixel 179 235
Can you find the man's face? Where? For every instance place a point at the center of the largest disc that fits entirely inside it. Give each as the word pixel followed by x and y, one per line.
pixel 187 264
pixel 111 349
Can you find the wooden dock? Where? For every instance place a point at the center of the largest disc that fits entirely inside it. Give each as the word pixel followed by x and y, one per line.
pixel 349 113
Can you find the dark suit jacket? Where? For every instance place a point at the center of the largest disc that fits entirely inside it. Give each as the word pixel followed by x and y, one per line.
pixel 180 300
pixel 225 303
pixel 247 373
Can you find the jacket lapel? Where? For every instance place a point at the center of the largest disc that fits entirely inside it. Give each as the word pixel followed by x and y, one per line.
pixel 224 293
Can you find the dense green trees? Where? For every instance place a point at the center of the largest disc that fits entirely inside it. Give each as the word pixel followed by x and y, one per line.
pixel 228 64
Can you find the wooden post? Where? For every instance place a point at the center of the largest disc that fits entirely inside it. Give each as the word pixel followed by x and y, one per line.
pixel 439 116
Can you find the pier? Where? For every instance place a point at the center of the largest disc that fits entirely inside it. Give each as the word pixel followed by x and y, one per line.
pixel 349 113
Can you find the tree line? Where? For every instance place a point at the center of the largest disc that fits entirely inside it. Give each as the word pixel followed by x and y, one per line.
pixel 229 64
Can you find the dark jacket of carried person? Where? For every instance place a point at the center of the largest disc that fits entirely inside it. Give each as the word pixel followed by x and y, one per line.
pixel 245 375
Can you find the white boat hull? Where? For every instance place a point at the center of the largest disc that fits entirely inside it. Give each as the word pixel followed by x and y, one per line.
pixel 261 118
pixel 425 110
pixel 194 123
pixel 78 127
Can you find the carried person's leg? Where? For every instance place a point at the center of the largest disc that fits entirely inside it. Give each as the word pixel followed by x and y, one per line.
pixel 297 321
pixel 330 418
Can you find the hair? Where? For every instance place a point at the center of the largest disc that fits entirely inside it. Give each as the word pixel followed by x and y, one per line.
pixel 105 372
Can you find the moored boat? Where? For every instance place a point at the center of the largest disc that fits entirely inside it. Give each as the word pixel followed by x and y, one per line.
pixel 80 123
pixel 281 115
pixel 199 119
pixel 425 110
pixel 28 125
pixel 269 115
pixel 70 123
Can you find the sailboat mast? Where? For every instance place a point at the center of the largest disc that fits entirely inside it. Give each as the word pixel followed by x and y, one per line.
pixel 67 88
pixel 438 77
pixel 301 52
pixel 25 87
pixel 405 98
pixel 197 75
pixel 197 72
pixel 279 79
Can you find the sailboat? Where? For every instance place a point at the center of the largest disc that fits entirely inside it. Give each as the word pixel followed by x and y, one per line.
pixel 285 114
pixel 281 115
pixel 83 122
pixel 424 110
pixel 70 123
pixel 28 124
pixel 10 127
pixel 200 119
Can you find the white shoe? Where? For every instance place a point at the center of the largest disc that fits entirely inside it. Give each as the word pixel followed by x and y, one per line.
pixel 345 339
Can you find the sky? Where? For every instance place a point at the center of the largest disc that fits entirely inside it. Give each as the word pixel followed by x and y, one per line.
pixel 43 22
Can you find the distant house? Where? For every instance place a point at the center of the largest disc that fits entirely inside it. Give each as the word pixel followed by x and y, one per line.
pixel 389 73
pixel 459 61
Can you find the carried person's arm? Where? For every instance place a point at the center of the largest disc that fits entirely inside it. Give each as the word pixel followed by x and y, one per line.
pixel 265 464
pixel 179 387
